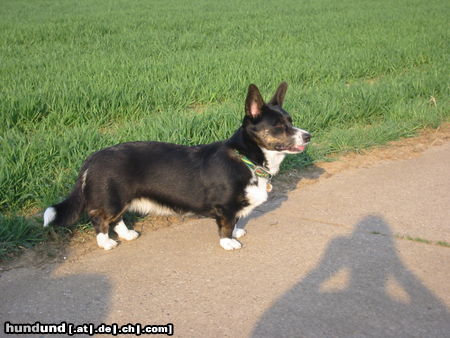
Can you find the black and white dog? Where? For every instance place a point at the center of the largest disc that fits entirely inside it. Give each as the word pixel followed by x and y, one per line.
pixel 223 180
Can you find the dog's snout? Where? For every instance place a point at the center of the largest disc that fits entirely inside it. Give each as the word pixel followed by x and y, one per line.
pixel 306 137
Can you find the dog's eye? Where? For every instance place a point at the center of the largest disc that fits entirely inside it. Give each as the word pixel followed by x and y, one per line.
pixel 279 128
pixel 276 123
pixel 277 131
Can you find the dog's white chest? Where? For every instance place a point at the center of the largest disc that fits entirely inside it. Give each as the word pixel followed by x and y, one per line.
pixel 256 194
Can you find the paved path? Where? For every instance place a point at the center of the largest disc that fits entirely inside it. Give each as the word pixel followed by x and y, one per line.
pixel 331 259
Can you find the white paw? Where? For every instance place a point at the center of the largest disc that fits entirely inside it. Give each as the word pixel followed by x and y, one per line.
pixel 105 242
pixel 238 232
pixel 130 235
pixel 124 233
pixel 230 244
pixel 109 244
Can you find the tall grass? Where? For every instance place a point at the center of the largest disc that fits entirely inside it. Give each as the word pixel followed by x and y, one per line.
pixel 17 233
pixel 78 76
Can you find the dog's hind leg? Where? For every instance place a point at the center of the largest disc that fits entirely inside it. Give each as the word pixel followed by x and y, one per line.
pixel 124 233
pixel 101 224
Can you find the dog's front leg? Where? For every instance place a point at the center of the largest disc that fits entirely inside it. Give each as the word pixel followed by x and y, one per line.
pixel 226 225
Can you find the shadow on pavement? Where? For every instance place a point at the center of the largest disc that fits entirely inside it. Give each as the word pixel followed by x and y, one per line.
pixel 33 295
pixel 359 288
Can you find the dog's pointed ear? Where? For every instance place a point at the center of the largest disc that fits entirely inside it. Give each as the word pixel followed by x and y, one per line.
pixel 254 102
pixel 278 98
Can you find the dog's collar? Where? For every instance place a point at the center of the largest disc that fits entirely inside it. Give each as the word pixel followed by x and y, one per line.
pixel 258 170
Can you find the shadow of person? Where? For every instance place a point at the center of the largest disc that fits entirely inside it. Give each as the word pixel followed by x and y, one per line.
pixel 282 185
pixel 30 295
pixel 359 288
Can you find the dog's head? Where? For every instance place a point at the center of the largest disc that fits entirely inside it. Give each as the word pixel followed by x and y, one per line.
pixel 270 126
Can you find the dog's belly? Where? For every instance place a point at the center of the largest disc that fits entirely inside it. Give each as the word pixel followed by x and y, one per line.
pixel 145 206
pixel 256 194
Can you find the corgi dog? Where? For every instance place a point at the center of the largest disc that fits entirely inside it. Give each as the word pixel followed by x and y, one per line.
pixel 223 180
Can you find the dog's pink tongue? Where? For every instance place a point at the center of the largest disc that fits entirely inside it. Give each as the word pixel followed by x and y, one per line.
pixel 300 148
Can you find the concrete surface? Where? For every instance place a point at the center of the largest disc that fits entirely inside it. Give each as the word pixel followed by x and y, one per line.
pixel 329 260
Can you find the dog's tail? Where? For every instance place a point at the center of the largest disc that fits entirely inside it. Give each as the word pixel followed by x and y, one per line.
pixel 68 211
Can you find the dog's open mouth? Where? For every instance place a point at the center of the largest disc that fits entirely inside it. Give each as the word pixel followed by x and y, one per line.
pixel 297 149
pixel 292 149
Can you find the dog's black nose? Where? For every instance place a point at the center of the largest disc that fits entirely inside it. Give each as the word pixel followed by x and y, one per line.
pixel 306 137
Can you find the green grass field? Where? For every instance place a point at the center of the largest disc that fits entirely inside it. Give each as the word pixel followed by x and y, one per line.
pixel 79 76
